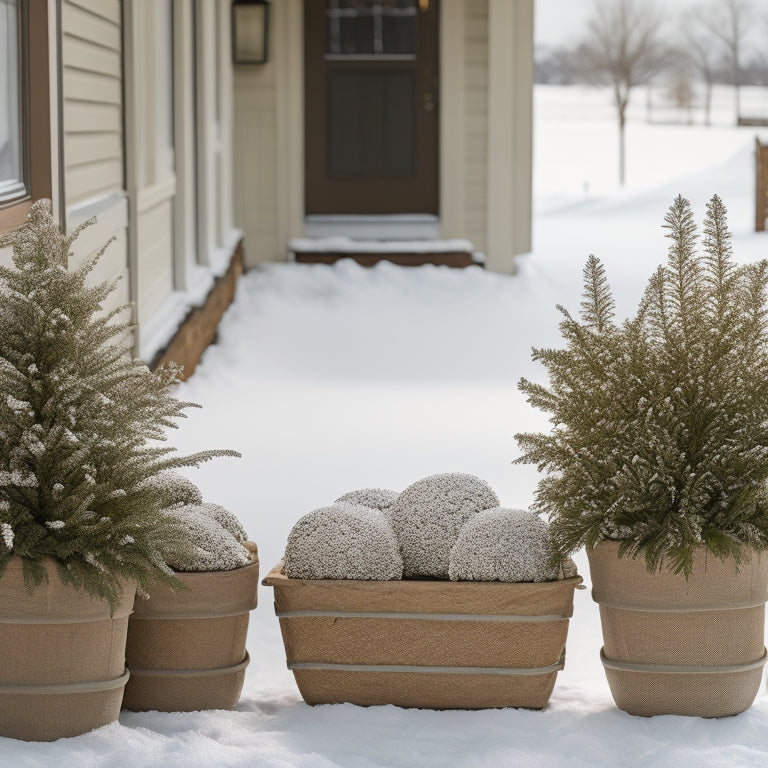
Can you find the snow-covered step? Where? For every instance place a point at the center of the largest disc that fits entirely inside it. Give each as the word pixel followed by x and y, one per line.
pixel 408 253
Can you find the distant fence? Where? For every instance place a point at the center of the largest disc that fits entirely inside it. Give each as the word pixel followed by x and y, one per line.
pixel 761 189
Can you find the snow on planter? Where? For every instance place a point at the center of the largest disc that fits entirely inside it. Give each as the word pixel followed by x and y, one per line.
pixel 216 548
pixel 343 541
pixel 502 545
pixel 428 516
pixel 375 498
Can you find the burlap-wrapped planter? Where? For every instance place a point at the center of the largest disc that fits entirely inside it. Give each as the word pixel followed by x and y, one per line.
pixel 186 649
pixel 423 643
pixel 680 647
pixel 62 657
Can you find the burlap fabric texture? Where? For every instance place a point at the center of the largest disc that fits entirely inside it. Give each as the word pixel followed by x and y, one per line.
pixel 677 646
pixel 62 657
pixel 424 643
pixel 186 649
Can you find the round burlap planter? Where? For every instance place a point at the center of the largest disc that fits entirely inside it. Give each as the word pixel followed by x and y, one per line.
pixel 186 649
pixel 62 657
pixel 677 646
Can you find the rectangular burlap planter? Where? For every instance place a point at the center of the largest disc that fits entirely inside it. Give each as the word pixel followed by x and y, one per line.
pixel 422 643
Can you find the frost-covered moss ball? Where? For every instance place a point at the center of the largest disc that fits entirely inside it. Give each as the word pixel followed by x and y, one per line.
pixel 174 486
pixel 375 498
pixel 428 515
pixel 503 545
pixel 343 541
pixel 225 519
pixel 216 549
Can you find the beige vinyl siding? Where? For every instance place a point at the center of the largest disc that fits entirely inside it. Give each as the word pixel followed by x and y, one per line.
pixel 111 224
pixel 255 140
pixel 476 121
pixel 154 249
pixel 92 95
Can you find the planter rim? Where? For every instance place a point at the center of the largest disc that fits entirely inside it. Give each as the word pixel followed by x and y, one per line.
pixel 277 578
pixel 229 593
pixel 55 602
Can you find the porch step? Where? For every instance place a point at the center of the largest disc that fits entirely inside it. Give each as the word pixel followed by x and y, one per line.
pixel 405 253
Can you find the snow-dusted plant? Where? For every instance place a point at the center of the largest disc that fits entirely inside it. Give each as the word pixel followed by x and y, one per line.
pixel 343 541
pixel 215 547
pixel 176 485
pixel 503 545
pixel 375 498
pixel 225 519
pixel 428 515
pixel 79 426
pixel 660 437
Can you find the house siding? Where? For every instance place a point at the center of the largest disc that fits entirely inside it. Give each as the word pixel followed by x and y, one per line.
pixel 476 121
pixel 92 125
pixel 255 142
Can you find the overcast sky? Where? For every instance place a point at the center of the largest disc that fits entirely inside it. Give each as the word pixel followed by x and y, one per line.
pixel 557 21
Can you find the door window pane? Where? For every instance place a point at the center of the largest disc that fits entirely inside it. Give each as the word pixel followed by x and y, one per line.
pixel 372 27
pixel 11 157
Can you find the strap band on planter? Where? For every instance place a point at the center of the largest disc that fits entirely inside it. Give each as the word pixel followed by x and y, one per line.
pixel 92 687
pixel 681 669
pixel 212 614
pixel 415 669
pixel 210 672
pixel 419 616
pixel 730 606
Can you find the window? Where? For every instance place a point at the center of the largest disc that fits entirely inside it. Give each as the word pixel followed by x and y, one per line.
pixel 25 132
pixel 12 175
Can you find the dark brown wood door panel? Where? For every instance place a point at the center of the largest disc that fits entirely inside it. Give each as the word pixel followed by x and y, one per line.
pixel 371 130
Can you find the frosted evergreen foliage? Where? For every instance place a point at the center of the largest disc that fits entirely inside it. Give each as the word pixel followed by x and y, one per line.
pixel 214 547
pixel 375 498
pixel 343 541
pixel 660 423
pixel 428 516
pixel 503 545
pixel 81 426
pixel 225 519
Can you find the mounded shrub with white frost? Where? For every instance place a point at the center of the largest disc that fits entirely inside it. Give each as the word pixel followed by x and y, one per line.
pixel 224 518
pixel 343 541
pixel 215 548
pixel 503 545
pixel 174 485
pixel 375 498
pixel 428 515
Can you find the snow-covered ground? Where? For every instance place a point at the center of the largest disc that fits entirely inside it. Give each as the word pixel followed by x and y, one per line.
pixel 334 378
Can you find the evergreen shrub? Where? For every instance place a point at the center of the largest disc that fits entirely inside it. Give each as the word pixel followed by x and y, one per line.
pixel 660 422
pixel 83 473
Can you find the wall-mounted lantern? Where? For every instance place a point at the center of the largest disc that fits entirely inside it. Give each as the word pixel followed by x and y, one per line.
pixel 250 31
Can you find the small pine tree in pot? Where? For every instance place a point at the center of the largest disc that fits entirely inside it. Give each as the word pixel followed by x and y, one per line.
pixel 82 528
pixel 658 462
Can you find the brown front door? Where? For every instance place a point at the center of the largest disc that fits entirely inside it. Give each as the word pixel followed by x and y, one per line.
pixel 371 106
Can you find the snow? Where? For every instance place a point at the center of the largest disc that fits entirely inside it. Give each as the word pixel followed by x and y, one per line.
pixel 347 245
pixel 330 378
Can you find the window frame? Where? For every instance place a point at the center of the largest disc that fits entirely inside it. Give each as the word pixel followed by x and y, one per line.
pixel 35 112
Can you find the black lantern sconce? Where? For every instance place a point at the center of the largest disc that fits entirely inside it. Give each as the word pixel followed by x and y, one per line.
pixel 250 31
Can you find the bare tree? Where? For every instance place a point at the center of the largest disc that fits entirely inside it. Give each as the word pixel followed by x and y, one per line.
pixel 624 47
pixel 728 21
pixel 702 55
